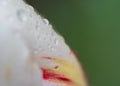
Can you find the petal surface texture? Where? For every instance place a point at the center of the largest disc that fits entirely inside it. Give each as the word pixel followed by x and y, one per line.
pixel 31 52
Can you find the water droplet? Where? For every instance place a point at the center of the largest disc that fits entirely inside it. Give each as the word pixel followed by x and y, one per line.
pixel 52 34
pixel 22 15
pixel 56 41
pixel 51 47
pixel 46 21
pixel 37 26
pixel 30 8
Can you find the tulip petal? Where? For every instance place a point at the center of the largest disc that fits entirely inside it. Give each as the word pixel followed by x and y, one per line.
pixel 31 52
pixel 67 72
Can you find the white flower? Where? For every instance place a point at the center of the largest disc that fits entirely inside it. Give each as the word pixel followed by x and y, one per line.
pixel 31 52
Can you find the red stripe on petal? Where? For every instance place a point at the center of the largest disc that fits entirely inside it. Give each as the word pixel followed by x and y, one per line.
pixel 49 75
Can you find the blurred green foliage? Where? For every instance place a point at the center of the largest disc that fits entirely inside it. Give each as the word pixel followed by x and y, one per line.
pixel 92 28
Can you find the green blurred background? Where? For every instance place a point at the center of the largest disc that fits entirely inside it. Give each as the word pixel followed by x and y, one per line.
pixel 92 28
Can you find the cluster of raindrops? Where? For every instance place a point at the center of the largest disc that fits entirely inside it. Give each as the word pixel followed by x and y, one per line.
pixel 49 36
pixel 38 29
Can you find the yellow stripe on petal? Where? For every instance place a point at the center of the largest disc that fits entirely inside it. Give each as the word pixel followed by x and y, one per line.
pixel 70 70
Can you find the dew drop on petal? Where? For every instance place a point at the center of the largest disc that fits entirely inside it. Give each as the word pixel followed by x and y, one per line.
pixel 31 8
pixel 56 42
pixel 37 26
pixel 46 21
pixel 50 46
pixel 22 15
